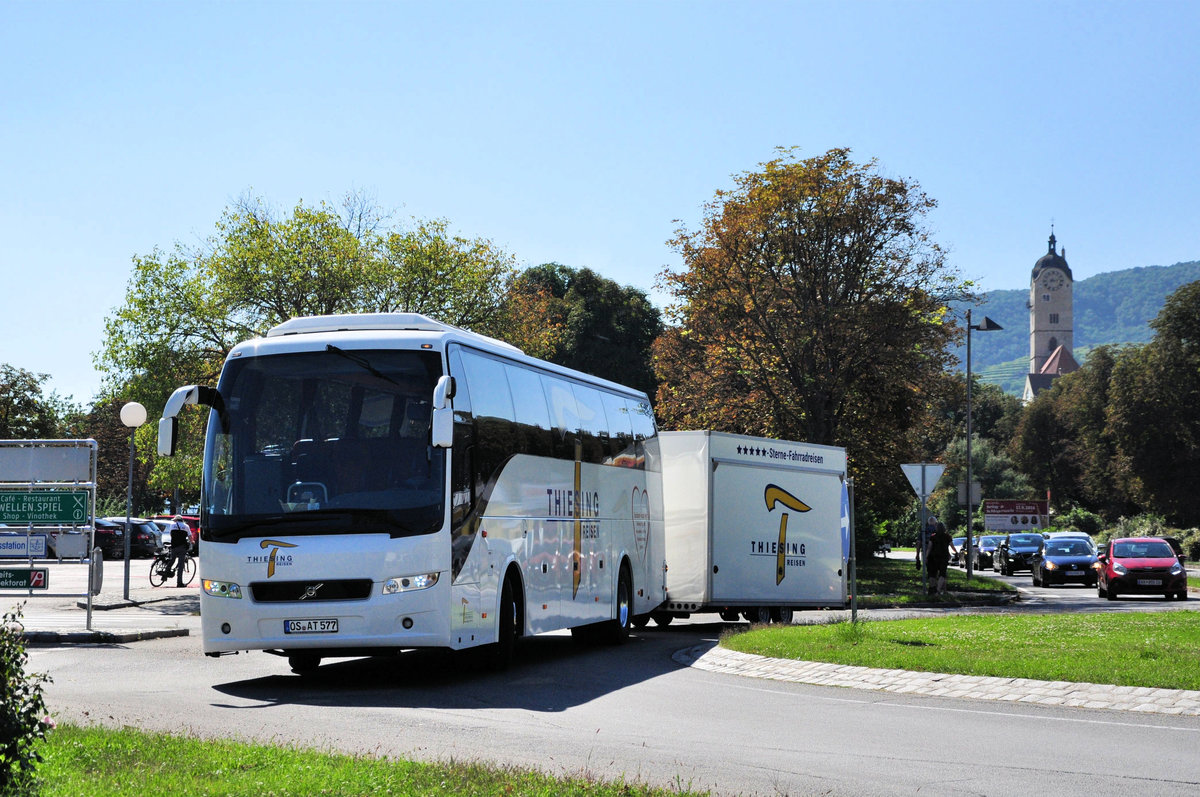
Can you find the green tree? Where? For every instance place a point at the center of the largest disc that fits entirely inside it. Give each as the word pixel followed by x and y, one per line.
pixel 1154 412
pixel 998 477
pixel 26 413
pixel 604 328
pixel 807 309
pixel 185 309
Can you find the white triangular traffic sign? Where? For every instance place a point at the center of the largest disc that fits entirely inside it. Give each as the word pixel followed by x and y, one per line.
pixel 923 476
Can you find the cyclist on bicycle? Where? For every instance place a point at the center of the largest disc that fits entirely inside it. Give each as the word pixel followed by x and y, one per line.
pixel 181 540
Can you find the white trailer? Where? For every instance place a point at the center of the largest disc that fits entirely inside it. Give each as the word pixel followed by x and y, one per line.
pixel 753 527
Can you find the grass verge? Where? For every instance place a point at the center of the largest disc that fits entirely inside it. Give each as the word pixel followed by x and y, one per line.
pixel 1157 649
pixel 884 582
pixel 98 761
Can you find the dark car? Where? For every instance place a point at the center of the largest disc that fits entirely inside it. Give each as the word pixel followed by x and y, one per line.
pixel 1017 552
pixel 110 539
pixel 1066 560
pixel 1142 566
pixel 144 536
pixel 985 549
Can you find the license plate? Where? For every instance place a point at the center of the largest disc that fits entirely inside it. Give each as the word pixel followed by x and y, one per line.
pixel 324 626
pixel 1149 582
pixel 1074 574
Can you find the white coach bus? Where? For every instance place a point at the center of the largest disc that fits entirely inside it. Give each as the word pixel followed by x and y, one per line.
pixel 380 482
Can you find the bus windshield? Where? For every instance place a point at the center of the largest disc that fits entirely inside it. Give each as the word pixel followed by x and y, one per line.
pixel 328 442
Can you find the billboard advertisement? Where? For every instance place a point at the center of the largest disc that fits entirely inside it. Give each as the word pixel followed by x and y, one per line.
pixel 1004 515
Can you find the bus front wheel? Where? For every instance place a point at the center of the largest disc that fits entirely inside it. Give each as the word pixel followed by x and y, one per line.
pixel 304 663
pixel 500 652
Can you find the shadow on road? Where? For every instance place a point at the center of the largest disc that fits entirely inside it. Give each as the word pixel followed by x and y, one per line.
pixel 550 673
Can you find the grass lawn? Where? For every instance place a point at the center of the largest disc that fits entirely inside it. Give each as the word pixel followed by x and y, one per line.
pixel 884 582
pixel 96 761
pixel 1157 649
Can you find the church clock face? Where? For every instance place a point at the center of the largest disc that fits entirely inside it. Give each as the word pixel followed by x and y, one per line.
pixel 1053 280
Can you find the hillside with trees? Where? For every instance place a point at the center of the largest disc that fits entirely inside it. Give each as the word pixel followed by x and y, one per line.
pixel 1111 309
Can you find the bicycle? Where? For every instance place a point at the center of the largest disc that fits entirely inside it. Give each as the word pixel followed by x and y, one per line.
pixel 161 569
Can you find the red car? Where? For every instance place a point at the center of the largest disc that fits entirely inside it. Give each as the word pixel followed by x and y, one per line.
pixel 1141 566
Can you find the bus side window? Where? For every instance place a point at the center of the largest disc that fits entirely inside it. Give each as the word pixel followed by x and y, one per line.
pixel 644 432
pixel 564 415
pixel 620 431
pixel 462 492
pixel 495 426
pixel 529 406
pixel 593 425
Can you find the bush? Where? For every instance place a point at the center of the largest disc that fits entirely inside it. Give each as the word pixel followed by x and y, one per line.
pixel 1079 519
pixel 23 719
pixel 1144 525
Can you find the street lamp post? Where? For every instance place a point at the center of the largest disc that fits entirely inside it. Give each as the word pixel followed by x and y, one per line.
pixel 133 415
pixel 988 325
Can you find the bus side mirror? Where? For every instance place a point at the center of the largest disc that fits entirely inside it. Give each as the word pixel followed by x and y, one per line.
pixel 168 430
pixel 442 420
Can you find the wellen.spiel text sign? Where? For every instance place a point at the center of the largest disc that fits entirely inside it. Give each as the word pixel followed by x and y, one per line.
pixel 62 507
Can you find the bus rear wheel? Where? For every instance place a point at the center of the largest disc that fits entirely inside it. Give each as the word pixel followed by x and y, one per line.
pixel 618 628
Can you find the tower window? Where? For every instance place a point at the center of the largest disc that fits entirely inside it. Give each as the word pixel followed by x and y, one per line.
pixel 1045 297
pixel 1053 344
pixel 1054 318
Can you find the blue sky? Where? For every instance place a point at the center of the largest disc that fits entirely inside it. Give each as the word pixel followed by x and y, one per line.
pixel 576 132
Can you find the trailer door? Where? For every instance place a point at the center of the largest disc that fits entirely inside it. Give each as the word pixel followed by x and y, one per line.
pixel 776 536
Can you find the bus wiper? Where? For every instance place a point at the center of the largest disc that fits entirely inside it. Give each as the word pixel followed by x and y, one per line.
pixel 361 362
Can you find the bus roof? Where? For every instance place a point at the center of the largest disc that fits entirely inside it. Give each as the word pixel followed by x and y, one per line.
pixel 366 323
pixel 377 321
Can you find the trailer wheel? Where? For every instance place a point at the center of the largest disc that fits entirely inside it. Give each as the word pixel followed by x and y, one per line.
pixel 730 616
pixel 782 615
pixel 661 618
pixel 641 620
pixel 757 615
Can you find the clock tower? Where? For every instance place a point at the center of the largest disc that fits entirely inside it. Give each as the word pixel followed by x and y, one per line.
pixel 1051 315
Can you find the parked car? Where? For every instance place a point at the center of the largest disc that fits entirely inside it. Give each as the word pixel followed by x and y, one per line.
pixel 1017 552
pixel 164 531
pixel 1065 560
pixel 143 539
pixel 110 538
pixel 1142 566
pixel 984 549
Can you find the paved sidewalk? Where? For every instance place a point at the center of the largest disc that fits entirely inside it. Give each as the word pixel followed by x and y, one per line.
pixel 1008 690
pixel 148 614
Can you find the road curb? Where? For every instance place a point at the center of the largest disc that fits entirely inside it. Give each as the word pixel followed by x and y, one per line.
pixel 713 658
pixel 98 637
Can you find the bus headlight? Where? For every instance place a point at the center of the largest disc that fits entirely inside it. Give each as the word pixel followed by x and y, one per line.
pixel 399 584
pixel 221 589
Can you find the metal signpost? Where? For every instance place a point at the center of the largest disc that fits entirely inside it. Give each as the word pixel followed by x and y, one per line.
pixel 48 487
pixel 923 476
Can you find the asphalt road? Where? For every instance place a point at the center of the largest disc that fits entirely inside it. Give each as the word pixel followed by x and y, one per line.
pixel 631 712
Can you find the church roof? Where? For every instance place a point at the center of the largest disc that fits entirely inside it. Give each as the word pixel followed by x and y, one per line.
pixel 1036 383
pixel 1060 362
pixel 1052 260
